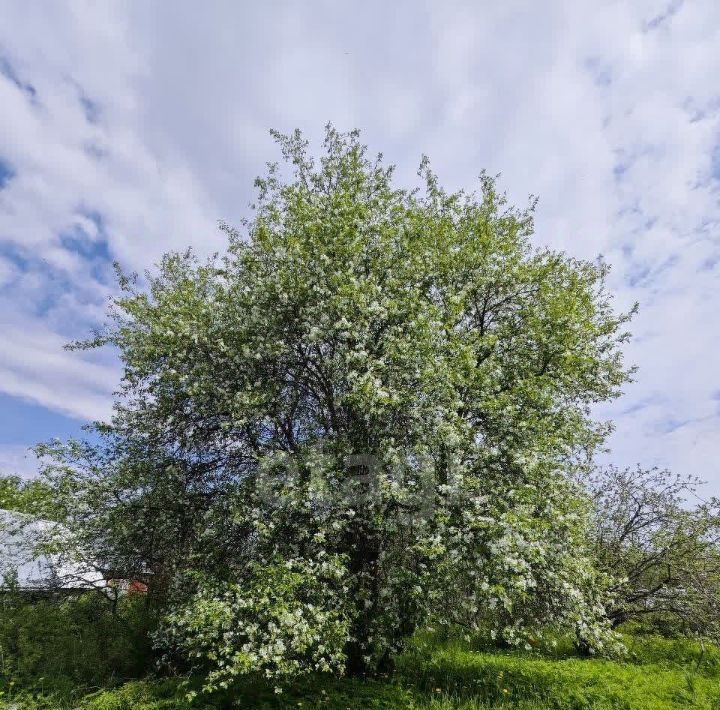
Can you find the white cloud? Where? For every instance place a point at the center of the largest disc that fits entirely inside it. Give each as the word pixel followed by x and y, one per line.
pixel 33 365
pixel 608 111
pixel 17 460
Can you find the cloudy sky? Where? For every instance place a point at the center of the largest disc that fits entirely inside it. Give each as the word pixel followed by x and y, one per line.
pixel 129 129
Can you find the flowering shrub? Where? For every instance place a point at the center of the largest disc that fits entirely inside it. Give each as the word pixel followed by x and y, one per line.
pixel 281 620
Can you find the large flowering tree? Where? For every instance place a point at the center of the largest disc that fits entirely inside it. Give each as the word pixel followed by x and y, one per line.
pixel 357 421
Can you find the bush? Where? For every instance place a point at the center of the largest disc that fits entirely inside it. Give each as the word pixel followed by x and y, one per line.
pixel 281 620
pixel 72 645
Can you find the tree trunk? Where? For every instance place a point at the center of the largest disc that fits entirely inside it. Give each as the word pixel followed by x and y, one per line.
pixel 365 552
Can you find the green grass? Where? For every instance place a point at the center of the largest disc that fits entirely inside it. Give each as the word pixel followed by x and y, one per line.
pixel 657 674
pixel 560 684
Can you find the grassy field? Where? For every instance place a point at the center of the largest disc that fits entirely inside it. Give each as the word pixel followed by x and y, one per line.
pixel 657 674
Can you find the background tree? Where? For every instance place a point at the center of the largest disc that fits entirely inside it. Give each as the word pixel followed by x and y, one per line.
pixel 661 544
pixel 389 382
pixel 32 497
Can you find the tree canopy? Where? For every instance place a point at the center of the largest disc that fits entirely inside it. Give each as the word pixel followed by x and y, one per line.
pixel 361 417
pixel 661 544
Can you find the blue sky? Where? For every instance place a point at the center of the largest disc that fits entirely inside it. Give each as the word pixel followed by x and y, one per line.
pixel 128 129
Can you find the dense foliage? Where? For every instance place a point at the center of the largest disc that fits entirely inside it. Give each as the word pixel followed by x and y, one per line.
pixel 71 645
pixel 284 619
pixel 30 497
pixel 391 384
